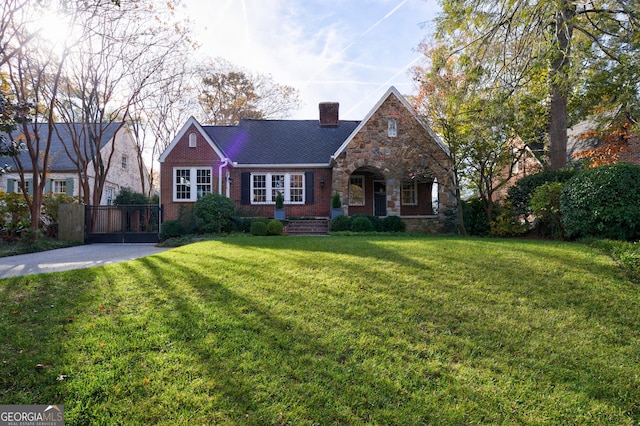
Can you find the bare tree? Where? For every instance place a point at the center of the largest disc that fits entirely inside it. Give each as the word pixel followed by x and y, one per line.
pixel 124 52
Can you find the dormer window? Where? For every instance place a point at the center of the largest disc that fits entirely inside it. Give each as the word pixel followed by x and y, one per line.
pixel 392 128
pixel 192 140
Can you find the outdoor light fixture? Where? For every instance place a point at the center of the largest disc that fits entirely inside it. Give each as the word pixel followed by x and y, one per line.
pixel 322 183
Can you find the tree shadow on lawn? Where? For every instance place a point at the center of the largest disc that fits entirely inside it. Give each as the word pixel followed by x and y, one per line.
pixel 262 361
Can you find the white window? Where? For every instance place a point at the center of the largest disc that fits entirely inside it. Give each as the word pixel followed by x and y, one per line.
pixel 392 128
pixel 435 197
pixel 192 140
pixel 124 161
pixel 59 186
pixel 109 196
pixel 356 191
pixel 409 193
pixel 191 183
pixel 265 187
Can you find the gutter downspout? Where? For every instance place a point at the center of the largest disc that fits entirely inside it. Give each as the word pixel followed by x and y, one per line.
pixel 225 163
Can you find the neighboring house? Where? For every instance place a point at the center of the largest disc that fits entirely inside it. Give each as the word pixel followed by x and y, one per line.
pixel 531 161
pixel 62 176
pixel 390 163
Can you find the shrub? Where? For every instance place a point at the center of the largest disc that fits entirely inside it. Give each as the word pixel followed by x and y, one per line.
pixel 475 218
pixel 279 200
pixel 341 223
pixel 394 224
pixel 603 202
pixel 274 227
pixel 336 202
pixel 171 229
pixel 519 195
pixel 361 223
pixel 213 213
pixel 508 223
pixel 258 228
pixel 241 224
pixel 545 203
pixel 127 197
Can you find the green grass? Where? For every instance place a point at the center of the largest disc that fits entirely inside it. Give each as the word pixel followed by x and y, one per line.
pixel 330 330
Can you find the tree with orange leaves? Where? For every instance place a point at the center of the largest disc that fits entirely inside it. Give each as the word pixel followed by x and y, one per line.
pixel 614 139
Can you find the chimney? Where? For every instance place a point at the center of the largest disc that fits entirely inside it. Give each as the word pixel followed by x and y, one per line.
pixel 329 114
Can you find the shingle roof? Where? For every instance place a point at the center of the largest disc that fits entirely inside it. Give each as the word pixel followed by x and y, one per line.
pixel 59 160
pixel 280 141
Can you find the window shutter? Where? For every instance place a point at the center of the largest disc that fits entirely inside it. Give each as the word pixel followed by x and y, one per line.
pixel 30 186
pixel 69 185
pixel 10 185
pixel 308 188
pixel 47 186
pixel 245 188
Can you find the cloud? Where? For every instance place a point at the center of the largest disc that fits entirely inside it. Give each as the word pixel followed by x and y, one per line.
pixel 330 50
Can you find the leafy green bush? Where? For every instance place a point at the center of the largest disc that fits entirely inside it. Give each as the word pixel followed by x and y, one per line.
pixel 545 203
pixel 127 197
pixel 340 223
pixel 519 195
pixel 361 223
pixel 627 254
pixel 336 202
pixel 475 218
pixel 274 227
pixel 394 224
pixel 171 229
pixel 508 223
pixel 213 213
pixel 241 224
pixel 603 202
pixel 258 228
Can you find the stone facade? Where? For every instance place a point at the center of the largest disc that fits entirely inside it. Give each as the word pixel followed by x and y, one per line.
pixel 383 155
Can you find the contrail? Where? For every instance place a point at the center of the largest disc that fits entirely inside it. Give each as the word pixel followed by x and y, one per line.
pixel 367 31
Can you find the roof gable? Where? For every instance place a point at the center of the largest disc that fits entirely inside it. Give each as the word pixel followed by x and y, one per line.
pixel 392 92
pixel 61 135
pixel 190 122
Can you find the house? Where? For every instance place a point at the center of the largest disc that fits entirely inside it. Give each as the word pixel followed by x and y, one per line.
pixel 390 163
pixel 63 176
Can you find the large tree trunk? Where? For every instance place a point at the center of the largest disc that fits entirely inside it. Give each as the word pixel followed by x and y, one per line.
pixel 559 86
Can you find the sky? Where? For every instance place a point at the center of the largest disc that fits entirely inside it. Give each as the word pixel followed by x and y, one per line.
pixel 346 51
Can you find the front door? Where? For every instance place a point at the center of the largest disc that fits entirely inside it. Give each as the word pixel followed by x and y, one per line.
pixel 379 198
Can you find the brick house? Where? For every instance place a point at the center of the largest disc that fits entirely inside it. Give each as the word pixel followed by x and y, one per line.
pixel 63 175
pixel 390 163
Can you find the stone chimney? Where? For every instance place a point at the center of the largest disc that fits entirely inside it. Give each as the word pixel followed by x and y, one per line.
pixel 329 114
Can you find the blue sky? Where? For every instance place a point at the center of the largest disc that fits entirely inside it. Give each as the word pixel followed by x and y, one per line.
pixel 348 51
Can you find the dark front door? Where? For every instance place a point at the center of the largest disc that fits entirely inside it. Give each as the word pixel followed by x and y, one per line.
pixel 379 198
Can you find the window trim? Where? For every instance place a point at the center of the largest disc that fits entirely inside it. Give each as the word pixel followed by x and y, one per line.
pixel 193 183
pixel 270 191
pixel 62 182
pixel 193 141
pixel 414 191
pixel 351 202
pixel 392 128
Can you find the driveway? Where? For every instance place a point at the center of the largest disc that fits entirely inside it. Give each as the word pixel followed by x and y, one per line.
pixel 76 257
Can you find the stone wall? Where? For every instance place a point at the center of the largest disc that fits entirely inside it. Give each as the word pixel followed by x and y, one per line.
pixel 413 147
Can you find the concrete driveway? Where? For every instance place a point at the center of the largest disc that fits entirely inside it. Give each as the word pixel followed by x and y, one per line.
pixel 76 257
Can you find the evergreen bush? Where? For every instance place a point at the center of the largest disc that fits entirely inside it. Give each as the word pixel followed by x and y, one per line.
pixel 603 202
pixel 340 223
pixel 361 223
pixel 274 227
pixel 171 229
pixel 394 224
pixel 213 213
pixel 258 228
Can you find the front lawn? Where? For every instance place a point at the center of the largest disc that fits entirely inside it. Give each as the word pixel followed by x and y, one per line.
pixel 330 330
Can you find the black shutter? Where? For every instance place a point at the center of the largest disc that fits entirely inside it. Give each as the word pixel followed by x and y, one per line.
pixel 245 188
pixel 308 188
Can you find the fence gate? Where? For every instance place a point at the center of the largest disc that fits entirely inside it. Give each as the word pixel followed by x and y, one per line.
pixel 122 224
